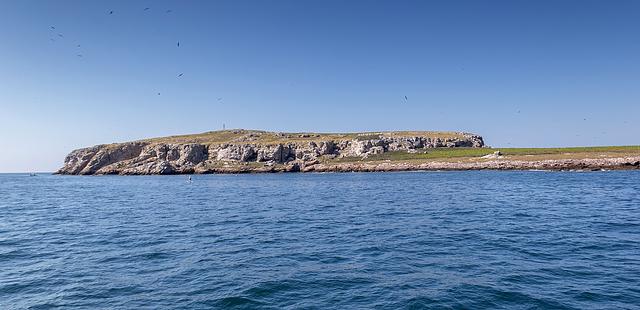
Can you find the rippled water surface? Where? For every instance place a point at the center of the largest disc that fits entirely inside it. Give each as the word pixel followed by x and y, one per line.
pixel 517 240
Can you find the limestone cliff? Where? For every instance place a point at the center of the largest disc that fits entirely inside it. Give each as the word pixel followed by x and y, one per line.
pixel 250 151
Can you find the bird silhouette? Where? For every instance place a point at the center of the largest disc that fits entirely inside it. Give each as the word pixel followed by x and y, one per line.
pixel 53 28
pixel 406 99
pixel 178 43
pixel 220 99
pixel 158 94
pixel 79 55
pixel 179 75
pixel 146 9
pixel 60 35
pixel 110 12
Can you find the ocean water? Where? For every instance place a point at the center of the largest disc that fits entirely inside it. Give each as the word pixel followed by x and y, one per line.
pixel 472 240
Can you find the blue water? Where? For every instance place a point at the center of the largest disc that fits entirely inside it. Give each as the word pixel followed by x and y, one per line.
pixel 500 240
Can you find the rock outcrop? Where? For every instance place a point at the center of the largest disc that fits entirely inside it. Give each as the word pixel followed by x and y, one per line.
pixel 248 150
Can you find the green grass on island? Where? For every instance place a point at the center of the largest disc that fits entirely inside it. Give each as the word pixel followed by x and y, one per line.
pixel 266 137
pixel 464 152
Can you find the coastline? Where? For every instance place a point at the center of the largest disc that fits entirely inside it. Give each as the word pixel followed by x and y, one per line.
pixel 587 164
pixel 630 163
pixel 252 151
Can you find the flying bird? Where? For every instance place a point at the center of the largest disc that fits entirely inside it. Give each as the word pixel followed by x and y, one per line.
pixel 60 35
pixel 79 55
pixel 53 28
pixel 178 43
pixel 220 99
pixel 110 12
pixel 146 9
pixel 406 99
pixel 169 11
pixel 78 46
pixel 158 94
pixel 179 75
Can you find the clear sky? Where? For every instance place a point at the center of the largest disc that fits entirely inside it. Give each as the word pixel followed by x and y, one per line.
pixel 520 73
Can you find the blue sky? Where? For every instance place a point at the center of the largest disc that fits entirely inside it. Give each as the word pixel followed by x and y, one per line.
pixel 520 73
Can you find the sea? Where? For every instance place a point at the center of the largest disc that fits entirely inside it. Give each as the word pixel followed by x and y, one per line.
pixel 410 240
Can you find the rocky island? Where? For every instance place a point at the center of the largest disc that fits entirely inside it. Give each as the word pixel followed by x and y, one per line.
pixel 247 151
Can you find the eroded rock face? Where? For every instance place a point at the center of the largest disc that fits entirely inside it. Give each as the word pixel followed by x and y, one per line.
pixel 91 160
pixel 165 158
pixel 240 152
pixel 77 160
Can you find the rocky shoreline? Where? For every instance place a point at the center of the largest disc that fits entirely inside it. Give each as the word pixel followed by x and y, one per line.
pixel 247 151
pixel 628 163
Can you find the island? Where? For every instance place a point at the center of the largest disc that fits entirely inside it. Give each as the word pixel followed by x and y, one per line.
pixel 256 151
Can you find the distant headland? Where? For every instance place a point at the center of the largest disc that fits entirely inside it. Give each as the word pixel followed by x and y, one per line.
pixel 255 151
